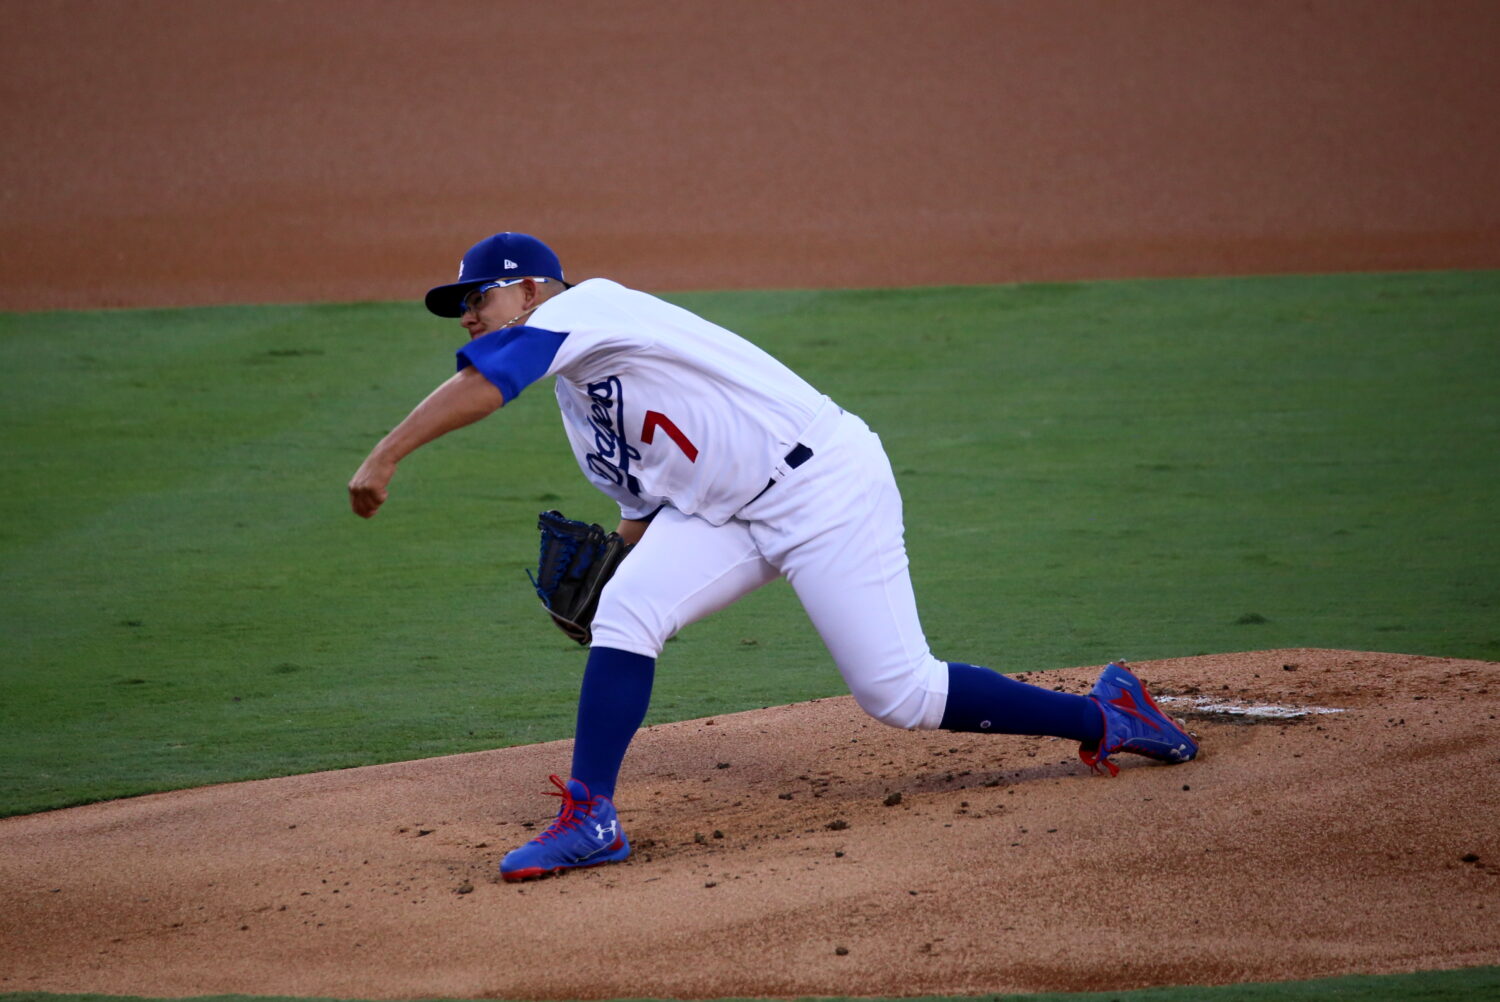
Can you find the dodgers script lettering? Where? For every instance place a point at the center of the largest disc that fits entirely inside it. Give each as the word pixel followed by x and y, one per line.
pixel 612 453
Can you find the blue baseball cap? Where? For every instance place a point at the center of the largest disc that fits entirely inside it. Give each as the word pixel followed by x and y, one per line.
pixel 495 259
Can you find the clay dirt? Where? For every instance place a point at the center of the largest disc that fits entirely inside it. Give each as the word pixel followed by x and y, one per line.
pixel 806 850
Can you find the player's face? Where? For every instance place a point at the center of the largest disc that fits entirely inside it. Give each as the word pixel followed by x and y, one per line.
pixel 489 307
pixel 496 304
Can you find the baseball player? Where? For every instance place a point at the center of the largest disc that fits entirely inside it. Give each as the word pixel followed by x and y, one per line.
pixel 729 471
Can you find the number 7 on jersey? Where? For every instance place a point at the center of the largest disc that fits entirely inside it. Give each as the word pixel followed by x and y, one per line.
pixel 655 420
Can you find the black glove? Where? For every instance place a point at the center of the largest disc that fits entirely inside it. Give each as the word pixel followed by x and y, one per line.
pixel 576 561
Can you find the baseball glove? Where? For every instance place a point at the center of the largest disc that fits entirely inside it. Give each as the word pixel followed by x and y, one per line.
pixel 576 561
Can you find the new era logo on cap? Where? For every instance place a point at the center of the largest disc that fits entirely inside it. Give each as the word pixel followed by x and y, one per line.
pixel 509 266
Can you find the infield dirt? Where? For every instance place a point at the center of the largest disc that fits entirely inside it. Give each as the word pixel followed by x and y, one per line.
pixel 170 152
pixel 188 153
pixel 774 857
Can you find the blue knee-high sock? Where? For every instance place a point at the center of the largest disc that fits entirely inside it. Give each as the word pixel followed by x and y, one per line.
pixel 611 708
pixel 983 700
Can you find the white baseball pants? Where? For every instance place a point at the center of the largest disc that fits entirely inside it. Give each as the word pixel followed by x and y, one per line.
pixel 833 528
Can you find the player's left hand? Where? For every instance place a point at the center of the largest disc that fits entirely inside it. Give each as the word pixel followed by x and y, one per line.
pixel 577 560
pixel 367 491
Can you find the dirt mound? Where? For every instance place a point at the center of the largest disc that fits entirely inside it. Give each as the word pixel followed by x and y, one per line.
pixel 1341 819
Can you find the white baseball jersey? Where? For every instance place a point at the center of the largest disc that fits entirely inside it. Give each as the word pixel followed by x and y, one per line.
pixel 660 405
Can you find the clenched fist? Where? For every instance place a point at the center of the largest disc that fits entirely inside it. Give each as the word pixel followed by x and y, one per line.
pixel 367 490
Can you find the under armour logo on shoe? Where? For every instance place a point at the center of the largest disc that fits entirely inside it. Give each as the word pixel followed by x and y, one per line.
pixel 613 830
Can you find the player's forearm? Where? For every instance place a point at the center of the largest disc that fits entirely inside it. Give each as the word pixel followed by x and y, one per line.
pixel 632 529
pixel 462 400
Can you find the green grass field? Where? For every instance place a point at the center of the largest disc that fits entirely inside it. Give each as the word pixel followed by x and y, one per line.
pixel 1139 469
pixel 1469 985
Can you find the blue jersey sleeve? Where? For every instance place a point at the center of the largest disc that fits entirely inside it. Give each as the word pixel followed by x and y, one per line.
pixel 512 358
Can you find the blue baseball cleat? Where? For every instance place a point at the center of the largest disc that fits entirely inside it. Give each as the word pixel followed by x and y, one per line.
pixel 1133 723
pixel 586 833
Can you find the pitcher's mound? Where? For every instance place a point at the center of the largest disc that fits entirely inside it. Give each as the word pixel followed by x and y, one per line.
pixel 1342 818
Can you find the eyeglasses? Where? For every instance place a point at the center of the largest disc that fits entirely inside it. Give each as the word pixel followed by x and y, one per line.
pixel 474 298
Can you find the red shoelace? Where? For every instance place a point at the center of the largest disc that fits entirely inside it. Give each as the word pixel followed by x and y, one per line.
pixel 570 814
